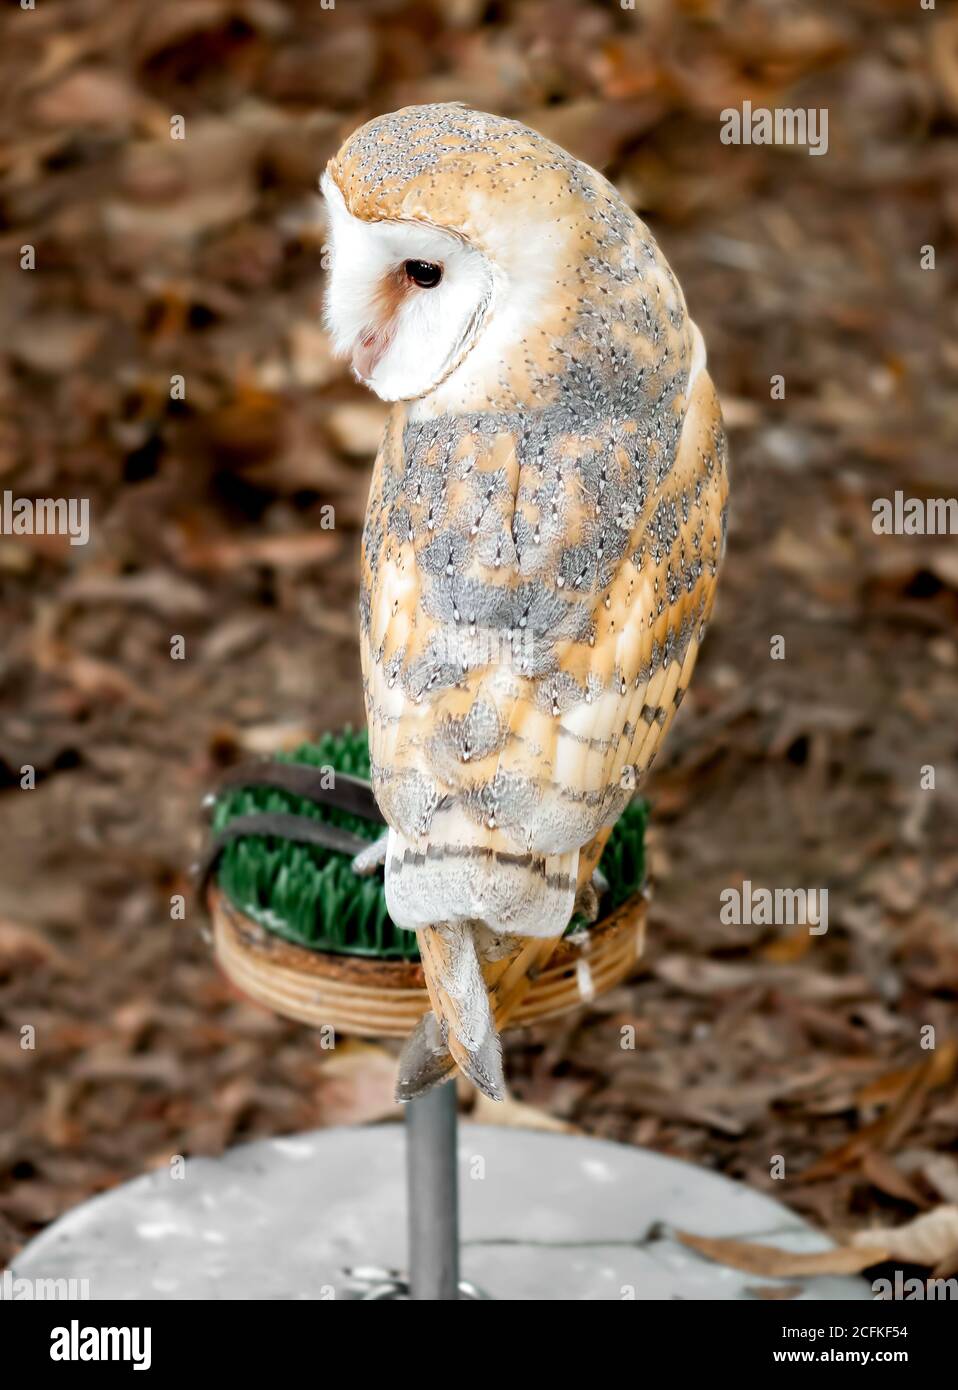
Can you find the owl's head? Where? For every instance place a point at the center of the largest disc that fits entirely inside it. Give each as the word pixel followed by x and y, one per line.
pixel 405 301
pixel 475 264
pixel 456 237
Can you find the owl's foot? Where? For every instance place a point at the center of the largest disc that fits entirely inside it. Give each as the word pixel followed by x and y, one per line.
pixel 368 860
pixel 590 895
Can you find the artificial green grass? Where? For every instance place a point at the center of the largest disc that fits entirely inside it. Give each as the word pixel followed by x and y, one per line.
pixel 310 896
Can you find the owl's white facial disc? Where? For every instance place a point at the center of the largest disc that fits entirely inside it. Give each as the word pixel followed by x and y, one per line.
pixel 402 337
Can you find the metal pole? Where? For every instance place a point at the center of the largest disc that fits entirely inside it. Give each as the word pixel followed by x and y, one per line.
pixel 433 1195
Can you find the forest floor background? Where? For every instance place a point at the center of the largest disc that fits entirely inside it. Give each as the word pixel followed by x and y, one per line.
pixel 204 258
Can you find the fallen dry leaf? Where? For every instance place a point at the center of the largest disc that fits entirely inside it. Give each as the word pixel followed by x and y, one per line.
pixel 773 1263
pixel 883 1174
pixel 357 1084
pixel 892 1127
pixel 516 1115
pixel 925 1241
pixel 158 589
pixel 88 97
pixel 357 428
pixel 274 552
pixel 941 1170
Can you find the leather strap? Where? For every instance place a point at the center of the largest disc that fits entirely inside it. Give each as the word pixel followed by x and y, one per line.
pixel 346 793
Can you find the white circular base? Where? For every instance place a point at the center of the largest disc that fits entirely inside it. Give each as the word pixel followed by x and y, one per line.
pixel 543 1216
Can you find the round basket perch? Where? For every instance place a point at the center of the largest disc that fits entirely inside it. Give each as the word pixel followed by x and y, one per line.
pixel 387 998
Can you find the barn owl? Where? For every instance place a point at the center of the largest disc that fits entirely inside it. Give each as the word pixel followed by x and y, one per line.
pixel 541 546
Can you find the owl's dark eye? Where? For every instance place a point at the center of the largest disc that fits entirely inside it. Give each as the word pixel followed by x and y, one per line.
pixel 425 274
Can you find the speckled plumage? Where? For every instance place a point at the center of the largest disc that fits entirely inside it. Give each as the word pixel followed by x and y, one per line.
pixel 541 545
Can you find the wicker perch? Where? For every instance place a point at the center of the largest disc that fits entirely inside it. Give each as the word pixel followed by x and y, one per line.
pixel 375 998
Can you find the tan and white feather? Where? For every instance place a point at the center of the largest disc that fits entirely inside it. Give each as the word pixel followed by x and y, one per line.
pixel 542 540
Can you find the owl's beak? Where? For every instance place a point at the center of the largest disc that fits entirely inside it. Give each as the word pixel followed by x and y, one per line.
pixel 368 352
pixel 377 337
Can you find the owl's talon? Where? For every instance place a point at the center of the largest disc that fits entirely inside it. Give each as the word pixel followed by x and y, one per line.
pixel 368 860
pixel 589 897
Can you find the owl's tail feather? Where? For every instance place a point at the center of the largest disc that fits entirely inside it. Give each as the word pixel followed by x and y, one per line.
pixel 461 1006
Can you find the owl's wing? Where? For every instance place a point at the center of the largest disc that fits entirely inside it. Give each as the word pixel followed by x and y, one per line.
pixel 645 636
pixel 660 603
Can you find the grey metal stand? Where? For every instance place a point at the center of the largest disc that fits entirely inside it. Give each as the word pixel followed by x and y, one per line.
pixel 432 1211
pixel 432 1191
pixel 558 1217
